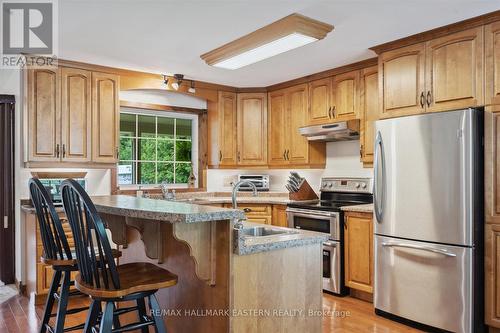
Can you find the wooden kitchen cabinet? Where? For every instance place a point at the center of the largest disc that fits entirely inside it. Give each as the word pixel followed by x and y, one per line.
pixel 44 115
pixel 105 117
pixel 320 101
pixel 345 95
pixel 76 115
pixel 278 128
pixel 492 63
pixel 227 128
pixel 454 71
pixel 252 129
pixel 73 117
pixel 279 217
pixel 492 270
pixel 358 240
pixel 402 81
pixel 287 113
pixel 492 166
pixel 296 106
pixel 257 213
pixel 39 275
pixel 369 109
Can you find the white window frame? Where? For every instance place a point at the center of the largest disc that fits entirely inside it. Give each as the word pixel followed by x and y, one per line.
pixel 194 142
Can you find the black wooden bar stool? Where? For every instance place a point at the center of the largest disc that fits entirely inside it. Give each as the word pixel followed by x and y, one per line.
pixel 101 279
pixel 57 253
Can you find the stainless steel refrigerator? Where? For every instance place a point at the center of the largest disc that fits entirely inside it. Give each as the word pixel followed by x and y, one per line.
pixel 428 200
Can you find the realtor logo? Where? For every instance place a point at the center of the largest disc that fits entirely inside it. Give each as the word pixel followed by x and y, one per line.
pixel 27 28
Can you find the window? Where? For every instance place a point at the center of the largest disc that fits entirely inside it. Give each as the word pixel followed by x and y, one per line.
pixel 156 147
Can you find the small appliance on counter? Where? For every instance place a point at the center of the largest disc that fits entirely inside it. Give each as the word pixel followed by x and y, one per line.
pixel 324 215
pixel 260 181
pixel 53 187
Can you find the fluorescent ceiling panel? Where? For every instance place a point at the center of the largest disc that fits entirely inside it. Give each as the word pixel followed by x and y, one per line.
pixel 265 51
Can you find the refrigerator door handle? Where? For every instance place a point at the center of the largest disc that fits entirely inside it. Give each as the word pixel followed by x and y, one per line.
pixel 419 247
pixel 378 200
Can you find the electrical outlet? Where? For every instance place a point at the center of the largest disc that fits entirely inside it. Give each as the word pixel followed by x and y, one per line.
pixel 228 181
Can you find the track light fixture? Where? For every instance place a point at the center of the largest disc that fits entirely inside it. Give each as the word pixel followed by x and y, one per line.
pixel 177 81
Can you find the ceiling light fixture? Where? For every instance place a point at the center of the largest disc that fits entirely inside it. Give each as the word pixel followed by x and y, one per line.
pixel 178 81
pixel 283 35
pixel 192 89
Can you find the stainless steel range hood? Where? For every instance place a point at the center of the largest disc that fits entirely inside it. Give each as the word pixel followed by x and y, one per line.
pixel 341 131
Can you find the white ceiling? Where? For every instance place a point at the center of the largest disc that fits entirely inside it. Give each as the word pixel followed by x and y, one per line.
pixel 169 36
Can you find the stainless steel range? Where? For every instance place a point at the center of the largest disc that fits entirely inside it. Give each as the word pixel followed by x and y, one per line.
pixel 325 216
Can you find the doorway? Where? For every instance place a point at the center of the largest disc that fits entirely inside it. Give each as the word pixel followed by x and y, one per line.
pixel 7 225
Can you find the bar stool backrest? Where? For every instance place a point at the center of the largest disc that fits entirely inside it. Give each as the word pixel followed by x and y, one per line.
pixel 93 251
pixel 55 243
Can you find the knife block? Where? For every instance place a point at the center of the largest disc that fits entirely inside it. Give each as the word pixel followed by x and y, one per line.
pixel 305 192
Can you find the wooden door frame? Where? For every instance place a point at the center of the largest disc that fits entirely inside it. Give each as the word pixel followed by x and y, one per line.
pixel 7 235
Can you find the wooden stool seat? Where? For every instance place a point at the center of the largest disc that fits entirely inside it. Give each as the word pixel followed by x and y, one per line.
pixel 134 277
pixel 72 262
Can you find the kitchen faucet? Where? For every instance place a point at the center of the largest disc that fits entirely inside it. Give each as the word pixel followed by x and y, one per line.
pixel 239 223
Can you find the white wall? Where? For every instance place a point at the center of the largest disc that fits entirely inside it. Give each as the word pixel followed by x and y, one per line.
pixel 342 161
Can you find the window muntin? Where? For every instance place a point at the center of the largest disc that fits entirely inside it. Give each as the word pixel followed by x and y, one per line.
pixel 155 148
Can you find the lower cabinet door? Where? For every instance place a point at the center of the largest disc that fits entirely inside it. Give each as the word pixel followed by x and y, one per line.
pixel 492 271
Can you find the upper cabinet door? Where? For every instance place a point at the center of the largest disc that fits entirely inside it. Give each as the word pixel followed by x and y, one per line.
pixel 492 56
pixel 227 130
pixel 44 115
pixel 345 95
pixel 277 128
pixel 298 147
pixel 369 111
pixel 401 81
pixel 76 115
pixel 320 105
pixel 454 71
pixel 252 129
pixel 105 117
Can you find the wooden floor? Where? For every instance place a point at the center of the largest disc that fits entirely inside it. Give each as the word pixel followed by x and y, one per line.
pixel 342 315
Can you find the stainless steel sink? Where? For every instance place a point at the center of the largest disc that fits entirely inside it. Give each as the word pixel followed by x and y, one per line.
pixel 263 231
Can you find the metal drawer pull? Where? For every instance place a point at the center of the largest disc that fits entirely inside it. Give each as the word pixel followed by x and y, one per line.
pixel 247 210
pixel 419 247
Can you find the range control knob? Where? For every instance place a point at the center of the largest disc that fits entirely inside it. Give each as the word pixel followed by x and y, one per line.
pixel 357 185
pixel 330 185
pixel 363 185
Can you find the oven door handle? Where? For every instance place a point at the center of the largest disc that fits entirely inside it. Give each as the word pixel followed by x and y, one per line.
pixel 308 213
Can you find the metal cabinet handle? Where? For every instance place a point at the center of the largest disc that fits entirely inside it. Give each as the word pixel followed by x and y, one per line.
pixel 422 100
pixel 239 157
pixel 57 150
pixel 288 154
pixel 420 247
pixel 117 153
pixel 333 111
pixel 284 154
pixel 247 210
pixel 330 112
pixel 429 98
pixel 64 150
pixel 220 155
pixel 361 151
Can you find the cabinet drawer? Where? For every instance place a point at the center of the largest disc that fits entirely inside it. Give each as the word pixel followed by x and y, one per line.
pixel 253 209
pixel 259 219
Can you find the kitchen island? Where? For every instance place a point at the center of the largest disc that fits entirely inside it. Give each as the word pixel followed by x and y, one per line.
pixel 256 279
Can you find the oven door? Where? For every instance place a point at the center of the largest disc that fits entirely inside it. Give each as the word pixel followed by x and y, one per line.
pixel 313 220
pixel 332 272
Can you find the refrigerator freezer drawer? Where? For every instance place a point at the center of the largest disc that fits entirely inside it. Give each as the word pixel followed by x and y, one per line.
pixel 424 282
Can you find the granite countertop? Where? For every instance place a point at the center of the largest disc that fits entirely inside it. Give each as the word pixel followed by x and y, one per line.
pixel 244 245
pixel 208 198
pixel 366 208
pixel 162 210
